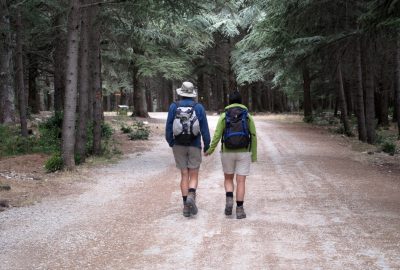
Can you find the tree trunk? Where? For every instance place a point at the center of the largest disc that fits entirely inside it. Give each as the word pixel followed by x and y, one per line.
pixel 348 96
pixel 362 131
pixel 250 104
pixel 398 81
pixel 49 96
pixel 34 97
pixel 91 91
pixel 139 105
pixel 382 104
pixel 342 100
pixel 117 98
pixel 68 129
pixel 224 93
pixel 149 100
pixel 394 119
pixel 260 94
pixel 264 97
pixel 270 99
pixel 59 63
pixel 307 105
pixel 97 84
pixel 7 105
pixel 130 101
pixel 336 109
pixel 108 102
pixel 206 92
pixel 255 97
pixel 369 96
pixel 20 78
pixel 245 95
pixel 84 86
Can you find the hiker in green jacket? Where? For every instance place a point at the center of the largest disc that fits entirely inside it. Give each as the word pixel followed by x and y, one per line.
pixel 239 148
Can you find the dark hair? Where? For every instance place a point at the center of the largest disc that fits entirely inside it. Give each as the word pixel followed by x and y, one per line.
pixel 235 97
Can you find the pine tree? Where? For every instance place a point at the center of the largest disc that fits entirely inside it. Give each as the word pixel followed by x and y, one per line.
pixel 68 129
pixel 7 103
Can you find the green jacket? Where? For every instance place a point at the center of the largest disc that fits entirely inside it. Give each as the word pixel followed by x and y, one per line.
pixel 221 127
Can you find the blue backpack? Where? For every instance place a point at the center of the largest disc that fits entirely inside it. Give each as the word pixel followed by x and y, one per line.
pixel 236 134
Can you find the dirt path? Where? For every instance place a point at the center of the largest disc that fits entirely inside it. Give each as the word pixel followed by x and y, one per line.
pixel 310 205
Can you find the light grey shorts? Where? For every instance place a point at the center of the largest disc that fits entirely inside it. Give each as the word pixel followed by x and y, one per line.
pixel 238 163
pixel 187 156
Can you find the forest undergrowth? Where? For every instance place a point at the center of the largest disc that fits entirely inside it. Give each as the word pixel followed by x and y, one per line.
pixel 31 168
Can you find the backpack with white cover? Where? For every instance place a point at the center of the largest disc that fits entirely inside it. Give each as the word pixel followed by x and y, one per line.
pixel 236 133
pixel 186 125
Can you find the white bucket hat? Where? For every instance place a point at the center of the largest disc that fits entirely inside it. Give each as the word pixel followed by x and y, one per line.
pixel 187 90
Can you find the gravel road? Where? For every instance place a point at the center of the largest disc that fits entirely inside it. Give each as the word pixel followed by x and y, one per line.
pixel 310 205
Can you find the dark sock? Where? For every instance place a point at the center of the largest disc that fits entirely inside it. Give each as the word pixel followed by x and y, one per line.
pixel 192 190
pixel 184 198
pixel 229 194
pixel 239 203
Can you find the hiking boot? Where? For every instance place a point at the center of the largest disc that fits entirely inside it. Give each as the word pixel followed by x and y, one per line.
pixel 229 206
pixel 240 212
pixel 191 202
pixel 186 210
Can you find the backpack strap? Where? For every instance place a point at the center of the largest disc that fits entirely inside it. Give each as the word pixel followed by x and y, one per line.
pixel 193 105
pixel 248 125
pixel 194 119
pixel 227 122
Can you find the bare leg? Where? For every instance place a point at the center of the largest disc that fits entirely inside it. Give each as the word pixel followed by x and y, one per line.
pixel 228 183
pixel 193 178
pixel 241 188
pixel 184 181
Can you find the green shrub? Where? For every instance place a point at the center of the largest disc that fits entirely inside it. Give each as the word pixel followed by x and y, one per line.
pixel 140 131
pixel 54 163
pixel 308 119
pixel 389 147
pixel 334 121
pixel 339 130
pixel 126 129
pixel 106 131
pixel 122 111
pixel 54 121
pixel 12 143
pixel 77 159
pixel 50 134
pixel 380 139
pixel 321 121
pixel 25 145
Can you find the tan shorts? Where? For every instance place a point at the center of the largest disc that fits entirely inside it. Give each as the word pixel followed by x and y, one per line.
pixel 238 163
pixel 187 156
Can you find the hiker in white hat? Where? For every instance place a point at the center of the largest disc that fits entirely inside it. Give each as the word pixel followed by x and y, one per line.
pixel 186 124
pixel 187 90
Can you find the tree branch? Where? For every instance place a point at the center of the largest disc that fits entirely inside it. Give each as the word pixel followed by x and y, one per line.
pixel 102 3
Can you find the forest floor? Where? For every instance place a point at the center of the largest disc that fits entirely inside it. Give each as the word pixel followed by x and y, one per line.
pixel 29 182
pixel 314 200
